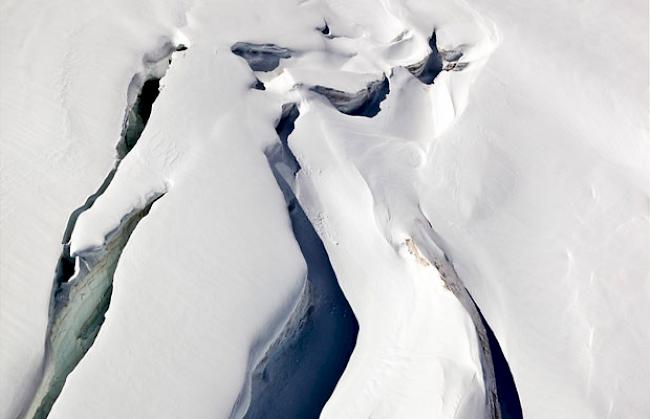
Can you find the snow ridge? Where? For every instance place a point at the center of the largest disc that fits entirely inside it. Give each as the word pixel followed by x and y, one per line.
pixel 316 342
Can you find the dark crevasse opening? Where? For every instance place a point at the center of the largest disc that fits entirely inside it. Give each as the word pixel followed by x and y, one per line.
pixel 258 85
pixel 437 61
pixel 503 391
pixel 261 57
pixel 325 30
pixel 283 128
pixel 507 394
pixel 432 64
pixel 296 379
pixel 65 267
pixel 139 114
pixel 506 389
pixel 365 102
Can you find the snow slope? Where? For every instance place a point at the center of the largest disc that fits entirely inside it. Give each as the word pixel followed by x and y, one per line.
pixel 541 194
pixel 525 163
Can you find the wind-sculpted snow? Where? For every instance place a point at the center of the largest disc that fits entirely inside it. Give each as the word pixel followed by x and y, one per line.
pixel 456 169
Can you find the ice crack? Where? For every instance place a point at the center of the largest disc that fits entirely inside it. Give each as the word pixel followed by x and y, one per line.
pixel 82 284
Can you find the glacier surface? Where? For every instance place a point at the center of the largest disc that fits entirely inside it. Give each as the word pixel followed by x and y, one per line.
pixel 452 169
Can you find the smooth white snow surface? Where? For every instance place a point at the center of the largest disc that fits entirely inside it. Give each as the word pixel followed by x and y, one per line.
pixel 529 167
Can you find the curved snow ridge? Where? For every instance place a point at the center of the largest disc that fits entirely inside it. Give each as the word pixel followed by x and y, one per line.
pixel 412 331
pixel 405 343
pixel 132 189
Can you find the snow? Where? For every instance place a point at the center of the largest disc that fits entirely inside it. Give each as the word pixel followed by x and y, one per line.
pixel 527 165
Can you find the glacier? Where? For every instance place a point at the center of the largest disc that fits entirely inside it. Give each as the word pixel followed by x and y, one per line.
pixel 324 209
